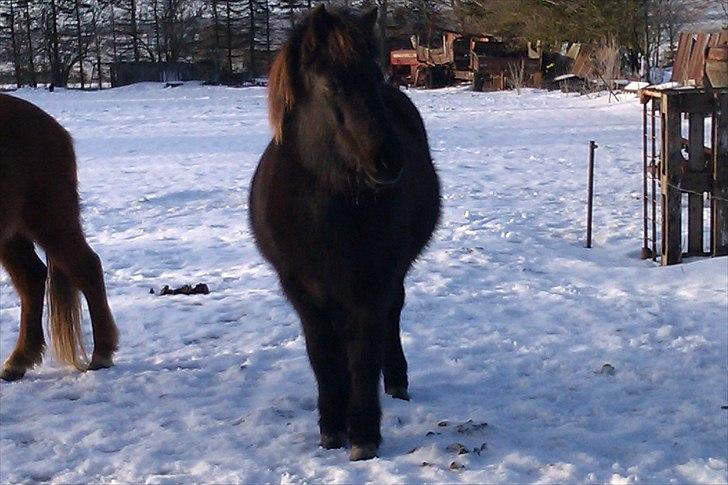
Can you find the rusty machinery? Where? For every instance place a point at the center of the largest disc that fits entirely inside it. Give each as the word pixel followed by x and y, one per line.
pixel 484 61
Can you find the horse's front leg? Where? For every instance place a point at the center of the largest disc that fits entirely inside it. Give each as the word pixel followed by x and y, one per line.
pixel 364 334
pixel 328 360
pixel 394 361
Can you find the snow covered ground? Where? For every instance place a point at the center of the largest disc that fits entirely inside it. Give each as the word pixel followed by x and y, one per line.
pixel 508 320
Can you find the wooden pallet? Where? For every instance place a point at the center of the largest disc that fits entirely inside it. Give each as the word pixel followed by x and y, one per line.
pixel 705 171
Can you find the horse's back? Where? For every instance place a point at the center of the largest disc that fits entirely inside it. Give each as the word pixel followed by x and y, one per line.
pixel 37 166
pixel 29 132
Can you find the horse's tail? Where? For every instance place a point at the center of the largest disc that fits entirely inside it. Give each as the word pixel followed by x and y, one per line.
pixel 64 319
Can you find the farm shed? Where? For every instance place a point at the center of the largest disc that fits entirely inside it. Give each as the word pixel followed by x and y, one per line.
pixel 123 73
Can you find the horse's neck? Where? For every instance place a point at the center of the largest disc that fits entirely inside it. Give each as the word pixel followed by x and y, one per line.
pixel 315 152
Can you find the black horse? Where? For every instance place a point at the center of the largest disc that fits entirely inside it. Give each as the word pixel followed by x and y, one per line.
pixel 344 199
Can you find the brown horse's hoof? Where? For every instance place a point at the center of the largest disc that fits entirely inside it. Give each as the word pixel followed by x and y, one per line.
pixel 11 374
pixel 100 363
pixel 398 392
pixel 333 441
pixel 363 452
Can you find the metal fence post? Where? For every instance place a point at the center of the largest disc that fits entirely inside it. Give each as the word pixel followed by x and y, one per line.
pixel 590 194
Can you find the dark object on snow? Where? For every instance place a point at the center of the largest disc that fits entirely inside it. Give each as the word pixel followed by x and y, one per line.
pixel 51 87
pixel 480 449
pixel 607 369
pixel 173 84
pixel 470 426
pixel 343 200
pixel 457 448
pixel 199 289
pixel 39 204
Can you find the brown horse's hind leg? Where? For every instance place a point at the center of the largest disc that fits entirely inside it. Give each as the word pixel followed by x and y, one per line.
pixel 28 274
pixel 75 259
pixel 394 362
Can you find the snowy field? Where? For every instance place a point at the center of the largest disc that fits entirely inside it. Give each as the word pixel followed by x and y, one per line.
pixel 508 320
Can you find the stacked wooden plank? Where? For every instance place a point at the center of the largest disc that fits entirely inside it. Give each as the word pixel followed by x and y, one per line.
pixel 689 66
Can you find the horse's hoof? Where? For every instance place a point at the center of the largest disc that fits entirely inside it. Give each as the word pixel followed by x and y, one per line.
pixel 332 441
pixel 398 392
pixel 10 374
pixel 363 452
pixel 100 363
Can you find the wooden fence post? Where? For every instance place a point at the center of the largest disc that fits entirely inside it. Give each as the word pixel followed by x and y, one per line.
pixel 696 163
pixel 719 206
pixel 670 181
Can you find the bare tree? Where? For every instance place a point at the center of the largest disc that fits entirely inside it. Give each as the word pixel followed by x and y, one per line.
pixel 80 42
pixel 517 76
pixel 675 16
pixel 31 51
pixel 157 29
pixel 54 51
pixel 10 16
pixel 606 62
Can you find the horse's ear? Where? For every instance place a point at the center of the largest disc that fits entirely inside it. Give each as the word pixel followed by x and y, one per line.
pixel 319 24
pixel 320 17
pixel 370 18
pixel 280 91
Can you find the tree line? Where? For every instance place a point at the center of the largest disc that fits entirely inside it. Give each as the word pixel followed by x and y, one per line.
pixel 78 41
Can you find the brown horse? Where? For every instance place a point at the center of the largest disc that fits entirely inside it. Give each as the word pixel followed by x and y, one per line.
pixel 344 199
pixel 39 204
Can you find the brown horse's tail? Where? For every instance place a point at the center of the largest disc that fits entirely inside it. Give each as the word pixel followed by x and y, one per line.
pixel 64 319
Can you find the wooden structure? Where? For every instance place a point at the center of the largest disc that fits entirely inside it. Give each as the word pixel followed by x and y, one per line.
pixel 669 176
pixel 692 52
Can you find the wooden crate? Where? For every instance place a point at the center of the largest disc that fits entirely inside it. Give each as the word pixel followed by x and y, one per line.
pixel 704 171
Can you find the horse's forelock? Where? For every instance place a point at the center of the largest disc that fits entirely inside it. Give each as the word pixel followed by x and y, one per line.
pixel 338 39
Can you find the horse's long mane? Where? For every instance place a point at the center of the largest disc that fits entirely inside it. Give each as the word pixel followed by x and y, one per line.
pixel 341 39
pixel 280 91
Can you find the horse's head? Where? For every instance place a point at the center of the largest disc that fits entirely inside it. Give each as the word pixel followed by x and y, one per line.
pixel 325 86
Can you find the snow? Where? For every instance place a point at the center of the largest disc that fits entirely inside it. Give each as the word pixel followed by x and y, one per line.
pixel 634 86
pixel 509 319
